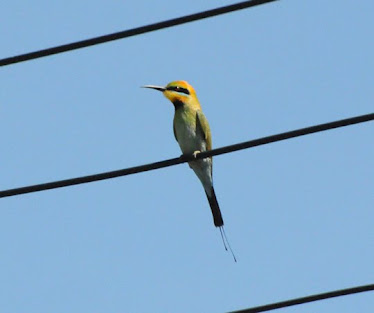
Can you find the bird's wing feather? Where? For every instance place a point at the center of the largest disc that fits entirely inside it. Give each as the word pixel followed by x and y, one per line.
pixel 175 132
pixel 203 126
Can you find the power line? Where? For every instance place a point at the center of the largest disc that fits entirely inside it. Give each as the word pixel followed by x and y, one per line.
pixel 317 297
pixel 131 32
pixel 175 161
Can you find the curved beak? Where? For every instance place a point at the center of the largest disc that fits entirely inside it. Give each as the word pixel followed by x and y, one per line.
pixel 155 87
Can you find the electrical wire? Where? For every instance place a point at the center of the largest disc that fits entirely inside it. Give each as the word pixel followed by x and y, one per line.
pixel 131 32
pixel 186 158
pixel 183 159
pixel 303 300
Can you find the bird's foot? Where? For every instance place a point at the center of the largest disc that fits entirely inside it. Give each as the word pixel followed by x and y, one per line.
pixel 188 156
pixel 196 153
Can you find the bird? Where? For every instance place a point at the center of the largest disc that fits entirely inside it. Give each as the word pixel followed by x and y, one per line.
pixel 192 132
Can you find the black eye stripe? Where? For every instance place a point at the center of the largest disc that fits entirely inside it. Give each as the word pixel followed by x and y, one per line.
pixel 178 89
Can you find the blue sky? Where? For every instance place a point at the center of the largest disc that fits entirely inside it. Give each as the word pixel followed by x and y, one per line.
pixel 299 213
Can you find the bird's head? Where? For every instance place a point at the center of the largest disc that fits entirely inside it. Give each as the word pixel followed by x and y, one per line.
pixel 178 92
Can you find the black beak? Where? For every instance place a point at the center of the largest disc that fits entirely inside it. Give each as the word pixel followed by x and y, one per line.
pixel 155 87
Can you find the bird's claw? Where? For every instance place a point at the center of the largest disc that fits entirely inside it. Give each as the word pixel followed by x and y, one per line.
pixel 188 156
pixel 195 154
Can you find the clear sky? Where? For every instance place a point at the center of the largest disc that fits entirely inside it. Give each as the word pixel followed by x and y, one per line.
pixel 299 213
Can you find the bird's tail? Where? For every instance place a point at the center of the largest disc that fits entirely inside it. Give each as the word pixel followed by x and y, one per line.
pixel 218 221
pixel 217 216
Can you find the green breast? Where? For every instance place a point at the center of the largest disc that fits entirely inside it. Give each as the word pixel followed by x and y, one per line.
pixel 185 130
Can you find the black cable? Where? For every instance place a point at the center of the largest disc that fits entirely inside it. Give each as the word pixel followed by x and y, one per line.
pixel 131 32
pixel 170 162
pixel 318 297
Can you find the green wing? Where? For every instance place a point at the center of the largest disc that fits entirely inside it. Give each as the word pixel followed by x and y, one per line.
pixel 175 133
pixel 202 125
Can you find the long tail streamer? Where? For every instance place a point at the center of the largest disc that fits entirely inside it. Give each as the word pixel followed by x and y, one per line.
pixel 226 242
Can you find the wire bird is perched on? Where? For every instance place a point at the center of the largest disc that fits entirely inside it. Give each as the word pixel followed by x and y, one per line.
pixel 192 131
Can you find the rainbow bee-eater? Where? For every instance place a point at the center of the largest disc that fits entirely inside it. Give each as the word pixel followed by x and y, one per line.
pixel 192 132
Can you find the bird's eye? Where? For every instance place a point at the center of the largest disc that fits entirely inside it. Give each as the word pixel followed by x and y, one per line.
pixel 178 89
